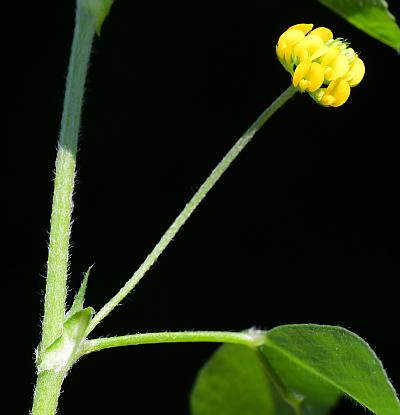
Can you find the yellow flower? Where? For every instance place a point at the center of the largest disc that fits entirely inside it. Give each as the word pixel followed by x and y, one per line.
pixel 308 76
pixel 314 59
pixel 335 95
pixel 289 39
pixel 324 33
pixel 311 47
pixel 335 64
pixel 356 72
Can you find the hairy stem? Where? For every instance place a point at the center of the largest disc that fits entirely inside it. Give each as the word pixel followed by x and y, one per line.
pixel 254 339
pixel 251 338
pixel 47 392
pixel 49 383
pixel 191 206
pixel 60 225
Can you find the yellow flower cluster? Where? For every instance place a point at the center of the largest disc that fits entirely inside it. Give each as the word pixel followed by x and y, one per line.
pixel 324 67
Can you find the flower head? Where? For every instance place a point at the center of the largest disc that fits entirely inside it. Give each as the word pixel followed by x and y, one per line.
pixel 324 67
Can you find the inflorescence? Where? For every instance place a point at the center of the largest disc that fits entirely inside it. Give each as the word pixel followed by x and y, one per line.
pixel 324 67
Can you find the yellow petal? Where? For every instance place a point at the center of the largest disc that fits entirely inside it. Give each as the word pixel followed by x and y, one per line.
pixel 286 42
pixel 301 72
pixel 280 50
pixel 330 56
pixel 336 94
pixel 291 37
pixel 356 72
pixel 306 47
pixel 319 52
pixel 338 68
pixel 323 32
pixel 304 27
pixel 308 76
pixel 315 76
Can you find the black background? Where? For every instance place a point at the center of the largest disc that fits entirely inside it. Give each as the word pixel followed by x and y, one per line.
pixel 302 228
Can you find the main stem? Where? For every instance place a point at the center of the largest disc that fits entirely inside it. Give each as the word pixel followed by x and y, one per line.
pixel 191 206
pixel 49 383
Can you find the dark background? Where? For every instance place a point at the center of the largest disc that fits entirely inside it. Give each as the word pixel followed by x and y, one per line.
pixel 302 228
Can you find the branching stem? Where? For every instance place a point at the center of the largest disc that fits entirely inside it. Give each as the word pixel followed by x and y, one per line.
pixel 191 206
pixel 48 385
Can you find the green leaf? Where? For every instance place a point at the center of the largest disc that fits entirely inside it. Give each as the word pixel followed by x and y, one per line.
pixel 335 356
pixel 233 382
pixel 319 363
pixel 371 16
pixel 319 396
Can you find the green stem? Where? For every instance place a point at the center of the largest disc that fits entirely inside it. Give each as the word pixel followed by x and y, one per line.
pixel 250 338
pixel 49 383
pixel 60 225
pixel 191 206
pixel 47 392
